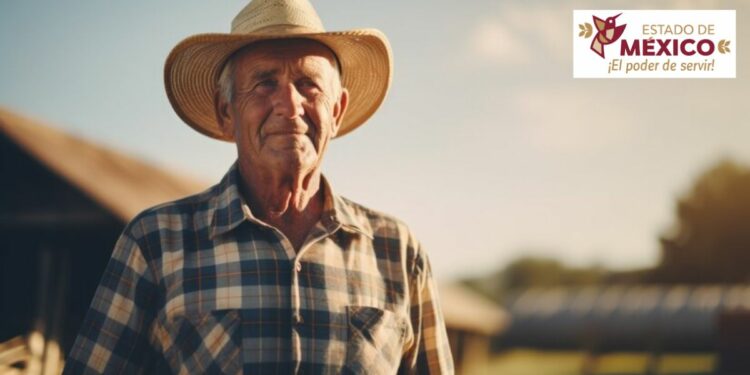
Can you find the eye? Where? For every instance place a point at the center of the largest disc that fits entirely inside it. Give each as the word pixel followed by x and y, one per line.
pixel 265 86
pixel 307 85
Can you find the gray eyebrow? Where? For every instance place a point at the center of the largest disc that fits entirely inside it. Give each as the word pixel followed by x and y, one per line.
pixel 265 74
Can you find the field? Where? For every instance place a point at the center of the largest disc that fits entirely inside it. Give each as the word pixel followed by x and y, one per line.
pixel 531 362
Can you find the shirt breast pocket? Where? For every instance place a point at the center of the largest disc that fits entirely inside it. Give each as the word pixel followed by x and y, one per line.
pixel 206 343
pixel 376 339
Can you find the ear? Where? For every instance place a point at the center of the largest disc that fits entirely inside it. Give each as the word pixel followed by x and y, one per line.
pixel 339 109
pixel 223 110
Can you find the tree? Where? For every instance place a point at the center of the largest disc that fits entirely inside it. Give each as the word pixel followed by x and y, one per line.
pixel 710 240
pixel 533 272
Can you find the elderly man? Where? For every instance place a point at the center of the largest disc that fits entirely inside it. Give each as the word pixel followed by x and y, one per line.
pixel 269 272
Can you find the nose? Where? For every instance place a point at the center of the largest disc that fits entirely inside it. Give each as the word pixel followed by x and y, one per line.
pixel 287 102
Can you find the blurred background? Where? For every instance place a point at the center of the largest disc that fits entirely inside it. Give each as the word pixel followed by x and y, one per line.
pixel 576 226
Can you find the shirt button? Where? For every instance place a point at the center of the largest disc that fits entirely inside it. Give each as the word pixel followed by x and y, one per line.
pixel 298 319
pixel 298 267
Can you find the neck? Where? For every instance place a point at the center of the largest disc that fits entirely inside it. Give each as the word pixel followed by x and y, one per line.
pixel 292 203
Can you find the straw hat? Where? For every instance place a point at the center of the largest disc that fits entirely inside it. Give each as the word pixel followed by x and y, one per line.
pixel 193 66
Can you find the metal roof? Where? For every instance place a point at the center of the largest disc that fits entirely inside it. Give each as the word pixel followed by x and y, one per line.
pixel 623 316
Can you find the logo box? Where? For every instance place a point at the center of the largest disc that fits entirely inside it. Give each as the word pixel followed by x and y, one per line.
pixel 654 44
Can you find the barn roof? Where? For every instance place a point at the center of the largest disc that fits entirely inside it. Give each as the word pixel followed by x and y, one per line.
pixel 623 316
pixel 122 184
pixel 466 310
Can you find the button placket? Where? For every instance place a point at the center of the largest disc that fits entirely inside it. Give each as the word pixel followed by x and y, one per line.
pixel 296 314
pixel 319 232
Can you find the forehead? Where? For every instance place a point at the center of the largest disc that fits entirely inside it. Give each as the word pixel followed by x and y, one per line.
pixel 302 53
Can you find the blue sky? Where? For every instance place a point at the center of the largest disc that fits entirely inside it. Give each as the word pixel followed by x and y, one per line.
pixel 485 144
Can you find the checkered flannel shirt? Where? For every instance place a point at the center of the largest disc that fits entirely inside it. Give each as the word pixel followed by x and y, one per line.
pixel 201 286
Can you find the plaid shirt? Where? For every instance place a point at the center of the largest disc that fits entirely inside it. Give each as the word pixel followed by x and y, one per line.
pixel 202 286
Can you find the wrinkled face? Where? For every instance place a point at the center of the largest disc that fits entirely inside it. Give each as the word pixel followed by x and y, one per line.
pixel 287 103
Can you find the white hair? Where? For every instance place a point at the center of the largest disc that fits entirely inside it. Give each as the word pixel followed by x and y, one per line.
pixel 225 83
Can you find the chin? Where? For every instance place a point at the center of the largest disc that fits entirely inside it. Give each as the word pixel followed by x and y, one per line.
pixel 295 162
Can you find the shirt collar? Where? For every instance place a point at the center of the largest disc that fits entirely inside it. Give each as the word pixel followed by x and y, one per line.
pixel 227 203
pixel 339 212
pixel 230 210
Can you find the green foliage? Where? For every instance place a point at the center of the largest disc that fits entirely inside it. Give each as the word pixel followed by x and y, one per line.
pixel 710 241
pixel 529 272
pixel 541 272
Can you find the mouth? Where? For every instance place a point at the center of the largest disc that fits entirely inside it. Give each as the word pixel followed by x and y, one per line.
pixel 287 138
pixel 298 131
pixel 296 128
pixel 286 133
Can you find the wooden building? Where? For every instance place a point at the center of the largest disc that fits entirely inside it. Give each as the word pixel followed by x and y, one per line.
pixel 472 322
pixel 63 203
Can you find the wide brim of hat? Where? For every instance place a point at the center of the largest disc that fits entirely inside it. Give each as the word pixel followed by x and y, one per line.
pixel 193 67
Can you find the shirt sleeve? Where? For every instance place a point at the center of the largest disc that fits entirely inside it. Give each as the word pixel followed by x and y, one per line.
pixel 430 352
pixel 114 335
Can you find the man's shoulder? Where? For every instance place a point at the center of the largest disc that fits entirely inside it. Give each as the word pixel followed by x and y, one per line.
pixel 371 214
pixel 378 223
pixel 182 214
pixel 392 238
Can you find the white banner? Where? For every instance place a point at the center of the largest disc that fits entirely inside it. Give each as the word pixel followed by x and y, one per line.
pixel 654 44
